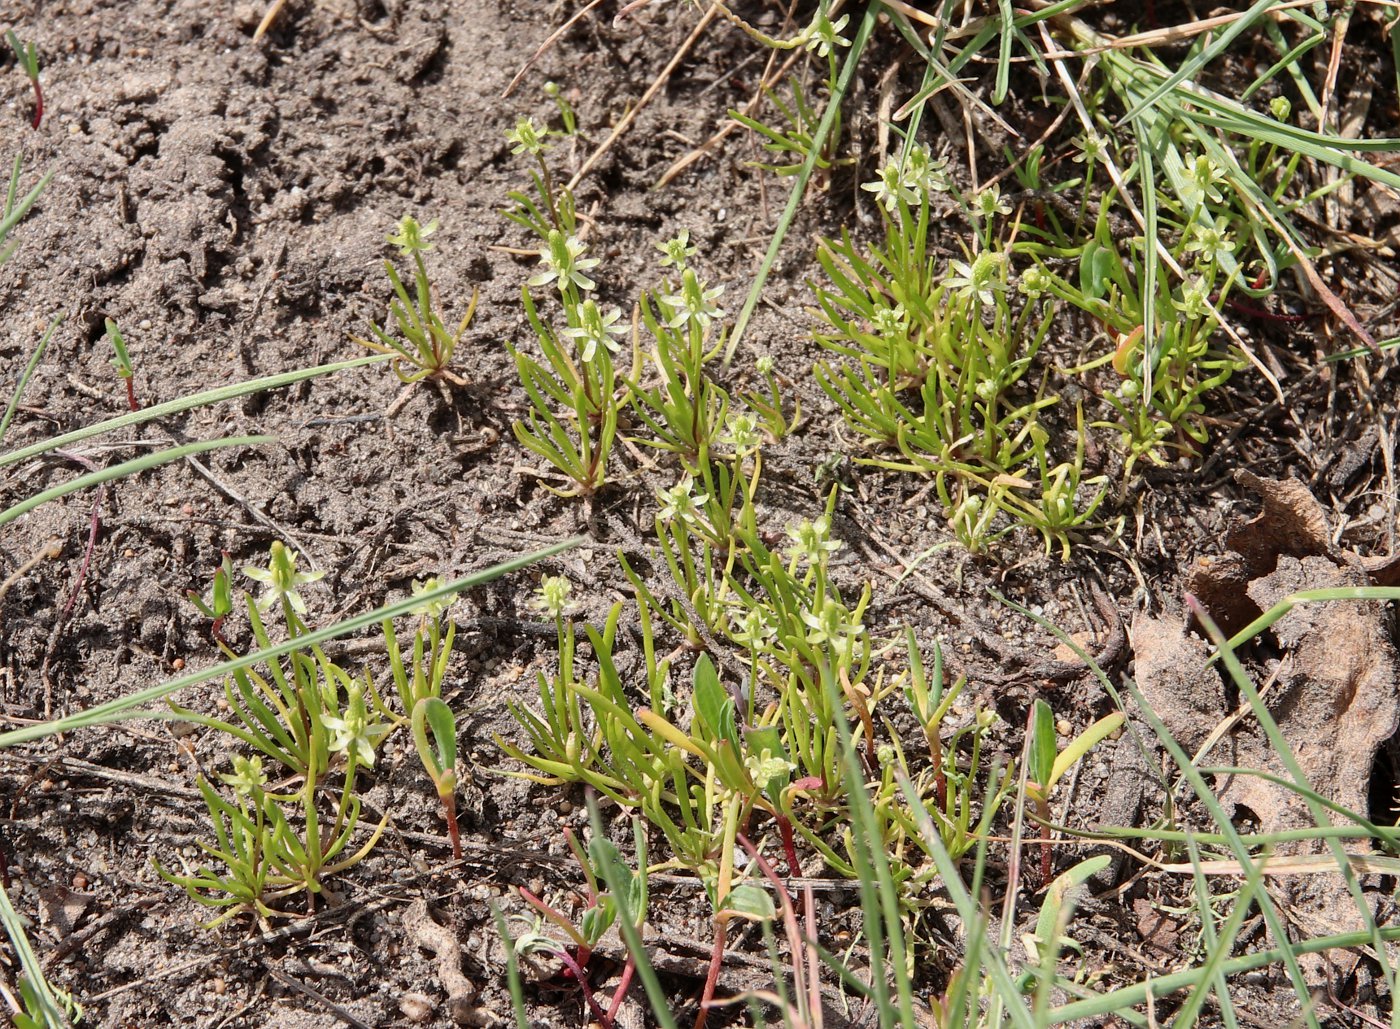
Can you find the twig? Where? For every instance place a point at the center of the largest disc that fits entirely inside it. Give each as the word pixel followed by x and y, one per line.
pixel 319 997
pixel 50 550
pixel 280 531
pixel 631 116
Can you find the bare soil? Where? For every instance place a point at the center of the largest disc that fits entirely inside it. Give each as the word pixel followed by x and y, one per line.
pixel 227 201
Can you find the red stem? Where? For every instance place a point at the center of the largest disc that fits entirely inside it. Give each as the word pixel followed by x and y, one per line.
pixel 712 976
pixel 95 526
pixel 573 966
pixel 1044 843
pixel 624 983
pixel 789 847
pixel 38 102
pixel 449 807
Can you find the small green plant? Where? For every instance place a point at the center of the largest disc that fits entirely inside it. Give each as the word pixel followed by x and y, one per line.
pixel 1048 765
pixel 791 144
pixel 220 603
pixel 28 57
pixel 935 368
pixel 16 207
pixel 422 676
pixel 427 345
pixel 600 913
pixel 795 143
pixel 312 718
pixel 1159 397
pixel 439 757
pixel 574 405
pixel 264 858
pixel 685 409
pixel 122 363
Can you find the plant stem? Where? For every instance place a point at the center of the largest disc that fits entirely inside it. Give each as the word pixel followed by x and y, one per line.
pixel 449 809
pixel 38 103
pixel 712 976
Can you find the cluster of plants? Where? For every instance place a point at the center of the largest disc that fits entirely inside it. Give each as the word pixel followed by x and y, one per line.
pixel 780 665
pixel 314 726
pixel 950 369
pixel 758 731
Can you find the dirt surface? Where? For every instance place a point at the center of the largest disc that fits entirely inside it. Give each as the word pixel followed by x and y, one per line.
pixel 227 201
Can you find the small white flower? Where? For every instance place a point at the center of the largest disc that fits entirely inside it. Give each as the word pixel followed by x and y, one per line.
pixel 1035 282
pixel 892 187
pixel 989 203
pixel 681 502
pixel 890 322
pixel 979 279
pixel 596 327
pixel 1209 241
pixel 1091 148
pixel 741 432
pixel 1194 300
pixel 355 733
pixel 693 303
pixel 765 767
pixel 675 252
pixel 553 596
pixel 281 579
pixel 564 263
pixel 824 34
pixel 831 625
pixel 811 541
pixel 921 171
pixel 435 608
pixel 526 138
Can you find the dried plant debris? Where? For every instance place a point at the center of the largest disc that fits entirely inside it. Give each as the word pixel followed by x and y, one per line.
pixel 1331 688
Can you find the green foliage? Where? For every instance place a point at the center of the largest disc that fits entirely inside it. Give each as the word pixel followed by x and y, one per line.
pixel 16 207
pixel 935 369
pixel 792 143
pixel 767 747
pixel 439 757
pixel 427 345
pixel 311 717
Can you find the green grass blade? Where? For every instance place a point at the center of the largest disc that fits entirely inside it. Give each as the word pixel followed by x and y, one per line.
pixel 126 468
pixel 203 399
pixel 1248 864
pixel 619 885
pixel 27 374
pixel 126 707
pixel 14 215
pixel 1161 986
pixel 799 186
pixel 1190 68
pixel 49 1006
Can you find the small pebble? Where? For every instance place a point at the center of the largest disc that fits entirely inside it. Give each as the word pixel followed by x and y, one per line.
pixel 1064 727
pixel 219 987
pixel 416 1007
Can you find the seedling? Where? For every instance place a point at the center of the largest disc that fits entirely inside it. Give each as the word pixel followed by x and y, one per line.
pixel 439 757
pixel 600 913
pixel 16 207
pixel 122 363
pixel 28 57
pixel 432 651
pixel 427 347
pixel 1048 764
pixel 220 603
